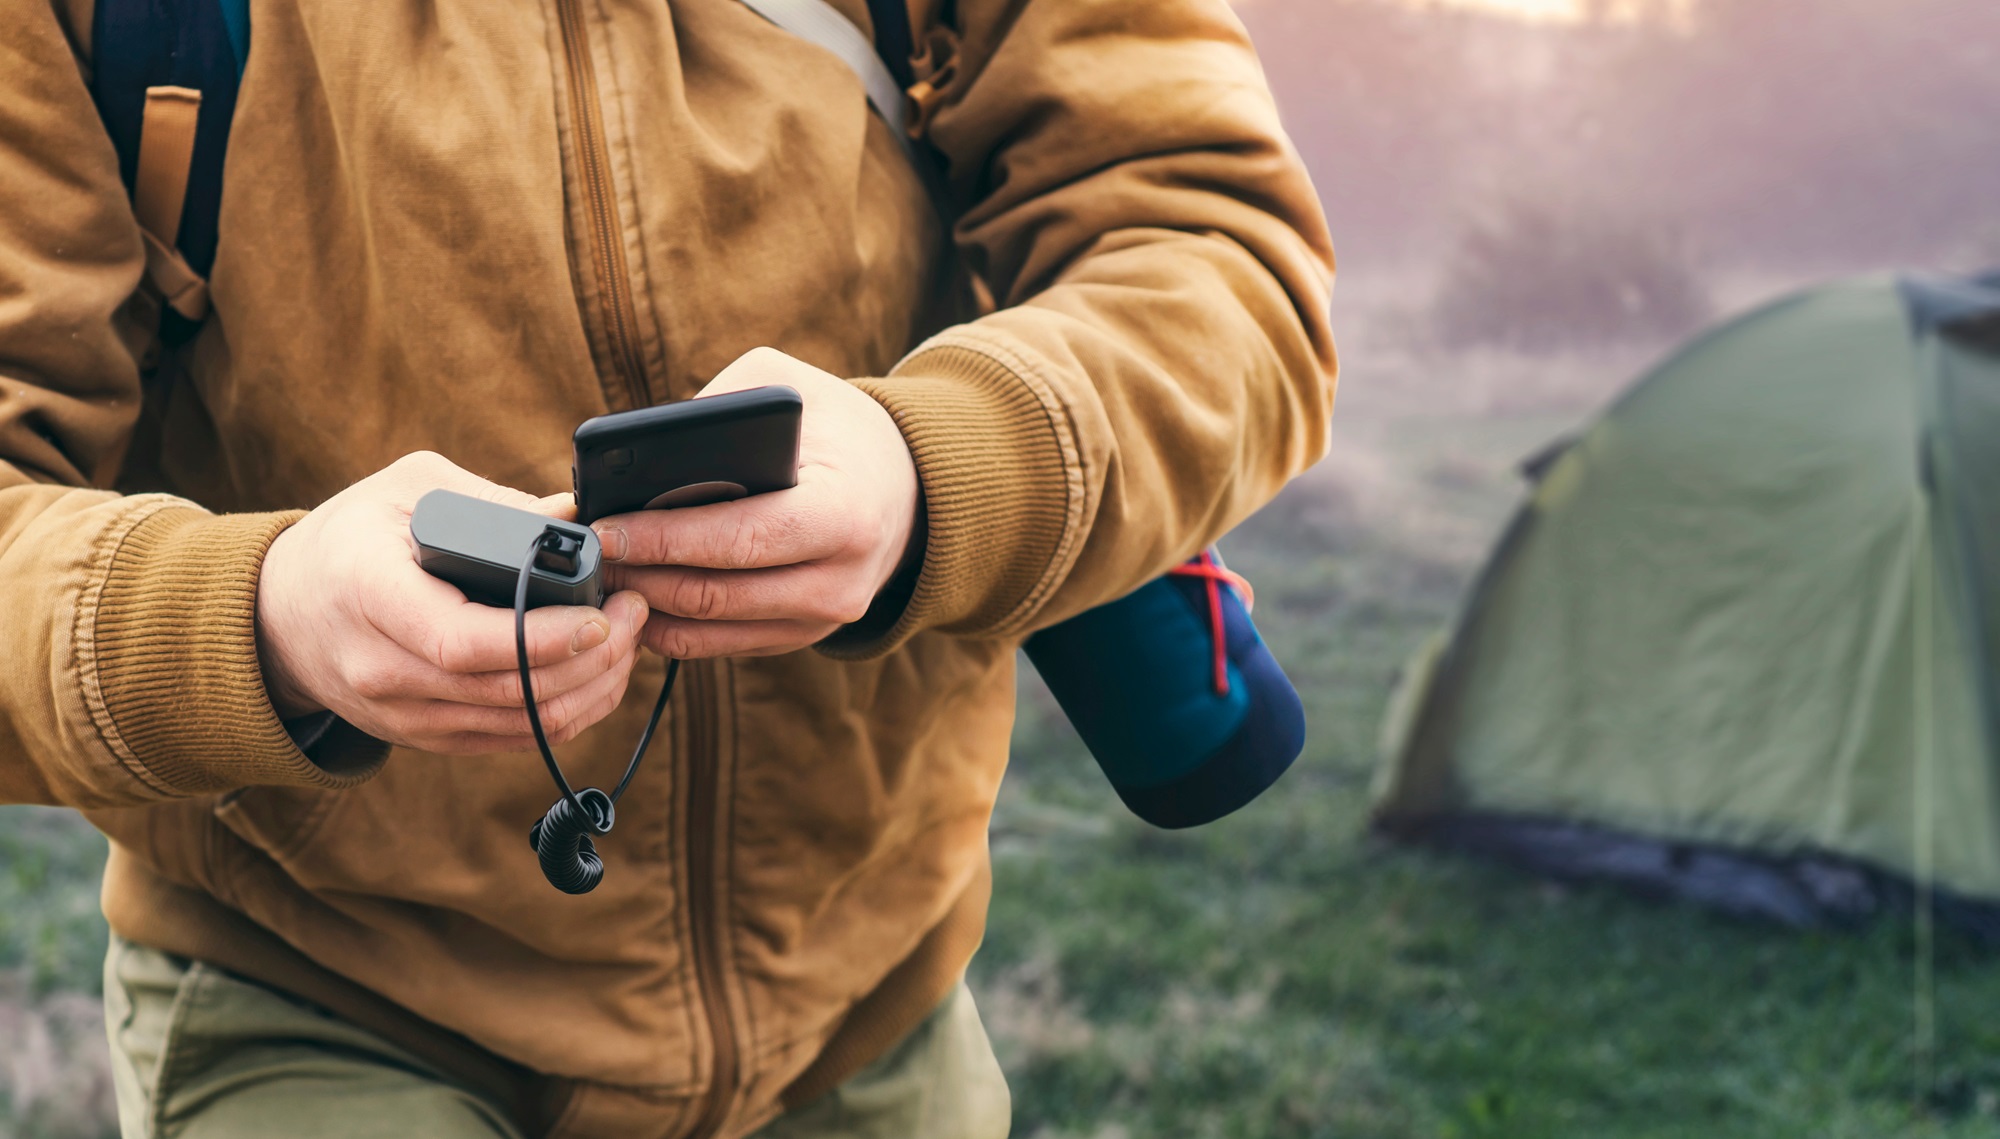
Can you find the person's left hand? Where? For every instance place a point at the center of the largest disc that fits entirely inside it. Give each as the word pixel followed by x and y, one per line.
pixel 777 572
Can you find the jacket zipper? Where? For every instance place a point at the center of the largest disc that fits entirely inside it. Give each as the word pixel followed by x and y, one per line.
pixel 607 234
pixel 704 791
pixel 704 916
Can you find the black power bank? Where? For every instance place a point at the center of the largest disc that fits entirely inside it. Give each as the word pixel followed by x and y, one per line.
pixel 697 451
pixel 479 546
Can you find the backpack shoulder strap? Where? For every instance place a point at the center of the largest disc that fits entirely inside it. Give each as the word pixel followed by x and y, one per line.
pixel 876 63
pixel 164 77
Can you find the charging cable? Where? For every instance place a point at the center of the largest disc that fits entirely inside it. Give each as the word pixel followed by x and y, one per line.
pixel 562 839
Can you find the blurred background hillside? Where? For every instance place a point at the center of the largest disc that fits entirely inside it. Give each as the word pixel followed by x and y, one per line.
pixel 1532 200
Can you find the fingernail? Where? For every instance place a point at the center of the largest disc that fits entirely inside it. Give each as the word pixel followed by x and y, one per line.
pixel 614 542
pixel 588 636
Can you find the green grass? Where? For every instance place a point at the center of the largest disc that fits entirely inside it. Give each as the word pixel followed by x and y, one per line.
pixel 1283 975
pixel 52 1050
pixel 51 934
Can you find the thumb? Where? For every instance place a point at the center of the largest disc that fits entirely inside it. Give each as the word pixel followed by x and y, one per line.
pixel 426 471
pixel 560 506
pixel 476 487
pixel 761 367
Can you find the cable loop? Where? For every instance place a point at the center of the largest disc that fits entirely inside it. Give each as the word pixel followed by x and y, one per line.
pixel 562 842
pixel 562 839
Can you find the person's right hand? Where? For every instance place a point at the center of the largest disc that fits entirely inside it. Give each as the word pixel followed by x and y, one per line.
pixel 348 622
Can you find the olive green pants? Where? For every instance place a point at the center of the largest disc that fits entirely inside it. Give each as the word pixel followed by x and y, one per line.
pixel 198 1053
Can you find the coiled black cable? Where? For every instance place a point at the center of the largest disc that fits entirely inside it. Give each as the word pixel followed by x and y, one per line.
pixel 562 839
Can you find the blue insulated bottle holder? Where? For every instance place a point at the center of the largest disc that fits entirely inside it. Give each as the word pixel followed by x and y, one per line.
pixel 1176 695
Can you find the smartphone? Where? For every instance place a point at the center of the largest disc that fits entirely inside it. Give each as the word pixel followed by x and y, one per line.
pixel 709 449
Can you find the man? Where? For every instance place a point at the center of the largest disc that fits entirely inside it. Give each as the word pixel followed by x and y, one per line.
pixel 451 231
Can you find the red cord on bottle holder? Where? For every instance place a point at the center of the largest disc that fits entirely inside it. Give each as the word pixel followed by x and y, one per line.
pixel 1215 575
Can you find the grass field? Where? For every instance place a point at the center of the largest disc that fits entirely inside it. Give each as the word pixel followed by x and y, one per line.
pixel 1281 974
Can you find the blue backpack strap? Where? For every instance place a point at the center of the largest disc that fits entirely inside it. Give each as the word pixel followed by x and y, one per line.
pixel 155 53
pixel 895 40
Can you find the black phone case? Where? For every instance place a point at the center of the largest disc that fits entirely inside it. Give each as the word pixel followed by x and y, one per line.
pixel 697 451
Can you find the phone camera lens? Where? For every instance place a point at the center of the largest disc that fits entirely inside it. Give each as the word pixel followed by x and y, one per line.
pixel 618 460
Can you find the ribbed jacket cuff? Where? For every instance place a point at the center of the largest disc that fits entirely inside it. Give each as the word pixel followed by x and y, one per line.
pixel 999 492
pixel 176 660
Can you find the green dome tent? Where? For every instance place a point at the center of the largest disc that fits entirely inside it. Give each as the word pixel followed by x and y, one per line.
pixel 1739 642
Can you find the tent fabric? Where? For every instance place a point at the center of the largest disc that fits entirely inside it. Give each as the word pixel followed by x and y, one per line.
pixel 1962 470
pixel 1748 608
pixel 1962 306
pixel 1803 891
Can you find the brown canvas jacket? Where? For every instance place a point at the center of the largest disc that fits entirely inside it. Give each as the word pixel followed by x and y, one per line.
pixel 466 226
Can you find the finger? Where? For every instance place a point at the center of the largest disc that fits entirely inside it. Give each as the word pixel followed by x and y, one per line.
pixel 594 706
pixel 561 506
pixel 562 716
pixel 433 621
pixel 416 677
pixel 763 366
pixel 680 639
pixel 786 527
pixel 424 471
pixel 470 743
pixel 569 715
pixel 412 677
pixel 434 726
pixel 819 592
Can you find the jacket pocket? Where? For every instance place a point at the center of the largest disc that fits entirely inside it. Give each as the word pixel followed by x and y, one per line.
pixel 279 821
